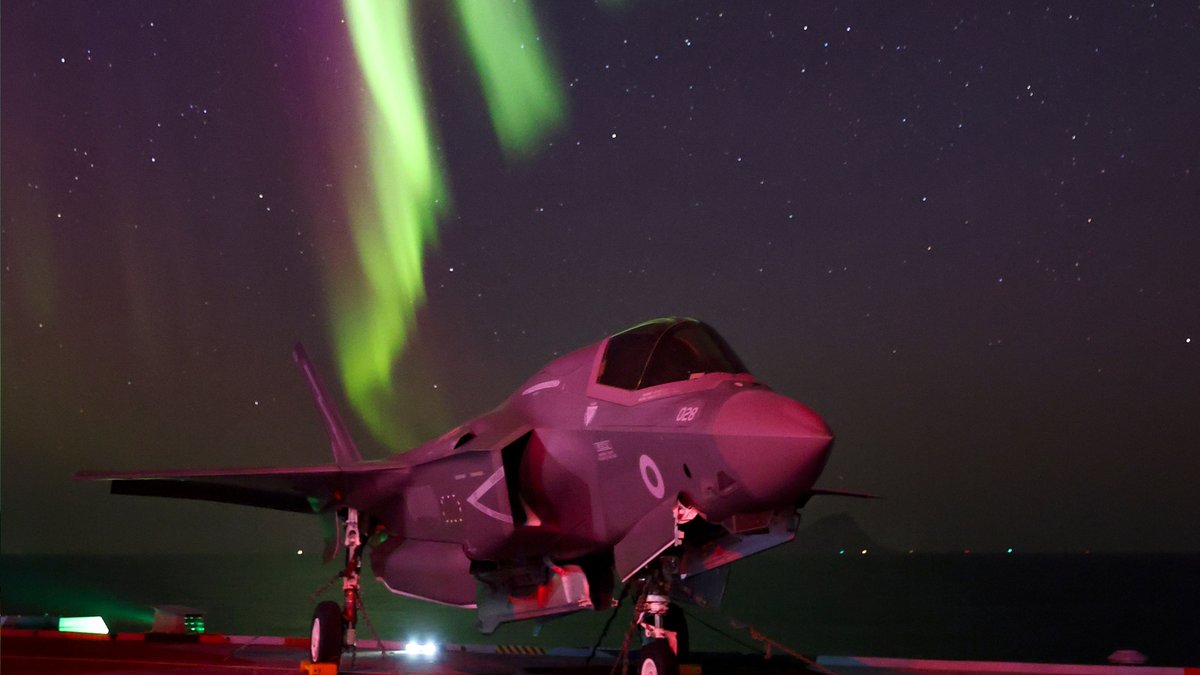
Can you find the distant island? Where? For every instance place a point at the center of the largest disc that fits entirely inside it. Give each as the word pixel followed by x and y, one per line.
pixel 833 533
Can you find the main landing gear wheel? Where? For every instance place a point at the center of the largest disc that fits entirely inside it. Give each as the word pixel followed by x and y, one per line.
pixel 656 658
pixel 325 646
pixel 333 629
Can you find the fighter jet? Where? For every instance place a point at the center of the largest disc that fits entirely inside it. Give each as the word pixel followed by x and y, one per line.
pixel 651 458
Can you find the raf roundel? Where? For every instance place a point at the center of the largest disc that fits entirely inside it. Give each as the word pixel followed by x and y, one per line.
pixel 652 477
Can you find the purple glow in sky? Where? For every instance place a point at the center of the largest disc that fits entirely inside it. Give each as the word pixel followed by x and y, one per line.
pixel 965 234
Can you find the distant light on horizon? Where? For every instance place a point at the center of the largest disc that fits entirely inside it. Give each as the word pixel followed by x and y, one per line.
pixel 300 551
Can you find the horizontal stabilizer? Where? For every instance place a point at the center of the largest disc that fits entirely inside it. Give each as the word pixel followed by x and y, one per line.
pixel 297 489
pixel 213 492
pixel 842 493
pixel 827 492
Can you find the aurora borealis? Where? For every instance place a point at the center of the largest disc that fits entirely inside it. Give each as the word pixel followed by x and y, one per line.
pixel 393 216
pixel 964 234
pixel 522 87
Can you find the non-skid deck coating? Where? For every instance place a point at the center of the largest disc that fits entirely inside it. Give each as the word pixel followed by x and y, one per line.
pixel 25 651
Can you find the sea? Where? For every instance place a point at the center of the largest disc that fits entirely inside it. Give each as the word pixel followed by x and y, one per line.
pixel 1076 608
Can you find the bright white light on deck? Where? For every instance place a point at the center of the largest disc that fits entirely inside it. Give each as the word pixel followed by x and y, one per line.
pixel 415 648
pixel 82 624
pixel 299 551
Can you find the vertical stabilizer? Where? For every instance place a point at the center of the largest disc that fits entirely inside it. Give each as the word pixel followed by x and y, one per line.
pixel 344 450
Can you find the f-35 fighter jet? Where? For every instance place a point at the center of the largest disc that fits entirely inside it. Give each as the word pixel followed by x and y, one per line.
pixel 650 458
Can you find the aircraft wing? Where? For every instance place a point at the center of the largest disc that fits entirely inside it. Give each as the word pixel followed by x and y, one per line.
pixel 299 489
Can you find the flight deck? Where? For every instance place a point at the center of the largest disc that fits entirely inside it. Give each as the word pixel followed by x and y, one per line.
pixel 43 651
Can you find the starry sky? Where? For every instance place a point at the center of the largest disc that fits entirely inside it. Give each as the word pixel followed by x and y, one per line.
pixel 967 234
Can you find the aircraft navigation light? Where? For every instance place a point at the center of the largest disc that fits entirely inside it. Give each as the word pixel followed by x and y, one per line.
pixel 82 624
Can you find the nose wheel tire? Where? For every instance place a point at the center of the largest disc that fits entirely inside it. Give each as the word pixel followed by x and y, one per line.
pixel 675 621
pixel 657 658
pixel 325 645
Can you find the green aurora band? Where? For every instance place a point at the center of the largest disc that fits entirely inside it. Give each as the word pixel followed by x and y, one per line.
pixel 393 217
pixel 517 78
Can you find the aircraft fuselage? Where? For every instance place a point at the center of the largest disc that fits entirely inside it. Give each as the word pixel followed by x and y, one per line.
pixel 568 467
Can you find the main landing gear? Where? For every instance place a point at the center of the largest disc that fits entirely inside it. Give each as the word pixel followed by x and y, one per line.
pixel 334 627
pixel 665 642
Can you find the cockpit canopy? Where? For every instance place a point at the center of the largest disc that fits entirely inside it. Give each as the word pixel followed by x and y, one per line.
pixel 665 350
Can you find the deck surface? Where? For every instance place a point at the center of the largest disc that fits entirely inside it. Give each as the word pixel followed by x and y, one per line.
pixel 24 651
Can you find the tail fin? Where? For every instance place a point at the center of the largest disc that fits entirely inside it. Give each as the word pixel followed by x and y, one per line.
pixel 344 450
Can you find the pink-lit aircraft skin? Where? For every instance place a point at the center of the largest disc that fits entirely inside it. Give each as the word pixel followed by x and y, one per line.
pixel 651 457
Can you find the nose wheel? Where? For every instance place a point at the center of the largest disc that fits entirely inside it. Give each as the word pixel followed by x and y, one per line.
pixel 657 659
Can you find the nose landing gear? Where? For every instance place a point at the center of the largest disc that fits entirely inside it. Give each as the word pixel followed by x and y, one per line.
pixel 663 624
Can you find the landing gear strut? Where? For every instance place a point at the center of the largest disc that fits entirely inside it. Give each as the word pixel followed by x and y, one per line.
pixel 663 624
pixel 333 627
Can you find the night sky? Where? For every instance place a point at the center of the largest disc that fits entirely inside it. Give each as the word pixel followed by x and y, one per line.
pixel 967 234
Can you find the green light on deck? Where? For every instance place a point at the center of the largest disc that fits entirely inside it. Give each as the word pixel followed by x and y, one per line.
pixel 82 624
pixel 193 623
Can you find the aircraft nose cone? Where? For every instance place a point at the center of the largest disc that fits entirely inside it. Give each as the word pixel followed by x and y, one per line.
pixel 776 446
